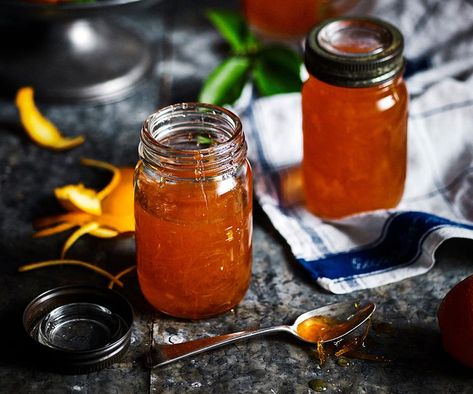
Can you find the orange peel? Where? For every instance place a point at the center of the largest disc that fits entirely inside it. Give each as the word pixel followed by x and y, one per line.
pixel 102 232
pixel 76 218
pixel 51 263
pixel 78 198
pixel 39 128
pixel 119 205
pixel 114 182
pixel 85 229
pixel 81 199
pixel 121 274
pixel 120 224
pixel 107 213
pixel 53 230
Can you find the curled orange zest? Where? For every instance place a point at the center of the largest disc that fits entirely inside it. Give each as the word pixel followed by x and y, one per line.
pixel 107 213
pixel 85 229
pixel 121 224
pixel 120 202
pixel 40 129
pixel 78 198
pixel 76 218
pixel 50 263
pixel 53 230
pixel 102 232
pixel 82 199
pixel 121 274
pixel 115 181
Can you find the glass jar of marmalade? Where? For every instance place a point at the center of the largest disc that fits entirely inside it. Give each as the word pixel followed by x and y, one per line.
pixel 193 211
pixel 291 19
pixel 354 111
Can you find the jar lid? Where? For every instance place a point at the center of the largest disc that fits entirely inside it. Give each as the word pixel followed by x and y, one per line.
pixel 78 329
pixel 354 51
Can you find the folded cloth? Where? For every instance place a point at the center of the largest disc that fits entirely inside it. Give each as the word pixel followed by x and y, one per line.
pixel 384 246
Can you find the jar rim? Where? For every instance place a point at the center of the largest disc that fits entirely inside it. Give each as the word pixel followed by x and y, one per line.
pixel 190 117
pixel 185 106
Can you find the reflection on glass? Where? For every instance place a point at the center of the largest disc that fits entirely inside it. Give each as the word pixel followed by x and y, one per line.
pixel 290 186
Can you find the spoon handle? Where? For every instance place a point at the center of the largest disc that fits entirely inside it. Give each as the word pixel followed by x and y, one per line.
pixel 162 354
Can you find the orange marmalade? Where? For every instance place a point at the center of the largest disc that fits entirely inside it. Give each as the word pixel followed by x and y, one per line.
pixel 285 19
pixel 193 210
pixel 354 107
pixel 314 328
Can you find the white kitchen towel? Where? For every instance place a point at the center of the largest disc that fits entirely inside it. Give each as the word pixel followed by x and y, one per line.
pixel 381 247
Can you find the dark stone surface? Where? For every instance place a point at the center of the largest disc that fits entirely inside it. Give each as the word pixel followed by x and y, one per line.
pixel 187 49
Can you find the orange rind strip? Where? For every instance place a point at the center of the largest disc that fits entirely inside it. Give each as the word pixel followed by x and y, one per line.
pixel 53 230
pixel 40 129
pixel 104 214
pixel 103 232
pixel 77 218
pixel 85 229
pixel 121 274
pixel 114 182
pixel 120 201
pixel 121 224
pixel 51 263
pixel 78 198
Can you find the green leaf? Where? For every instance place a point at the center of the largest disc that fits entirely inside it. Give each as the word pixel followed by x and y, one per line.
pixel 225 84
pixel 233 28
pixel 204 140
pixel 277 70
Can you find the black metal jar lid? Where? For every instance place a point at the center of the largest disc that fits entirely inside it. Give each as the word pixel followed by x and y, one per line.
pixel 78 329
pixel 354 51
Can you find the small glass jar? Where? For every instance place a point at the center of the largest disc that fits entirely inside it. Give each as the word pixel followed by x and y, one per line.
pixel 291 19
pixel 193 211
pixel 354 117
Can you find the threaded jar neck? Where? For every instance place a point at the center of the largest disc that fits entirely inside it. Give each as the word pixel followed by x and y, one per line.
pixel 193 140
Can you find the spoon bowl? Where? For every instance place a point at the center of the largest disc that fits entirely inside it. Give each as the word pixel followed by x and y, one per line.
pixel 337 320
pixel 325 324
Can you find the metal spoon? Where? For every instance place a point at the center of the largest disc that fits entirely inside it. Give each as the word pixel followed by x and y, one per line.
pixel 347 315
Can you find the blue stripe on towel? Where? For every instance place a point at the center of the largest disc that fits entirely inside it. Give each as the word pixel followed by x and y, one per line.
pixel 399 244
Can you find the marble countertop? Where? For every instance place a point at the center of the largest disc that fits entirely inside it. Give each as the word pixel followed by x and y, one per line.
pixel 187 48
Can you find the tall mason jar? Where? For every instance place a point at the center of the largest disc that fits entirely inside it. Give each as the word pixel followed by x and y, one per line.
pixel 193 211
pixel 354 117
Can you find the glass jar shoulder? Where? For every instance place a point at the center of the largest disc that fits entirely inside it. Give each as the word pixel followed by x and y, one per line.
pixel 361 102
